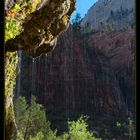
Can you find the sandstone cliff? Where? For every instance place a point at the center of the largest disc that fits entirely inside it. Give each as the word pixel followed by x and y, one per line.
pixel 115 13
pixel 85 74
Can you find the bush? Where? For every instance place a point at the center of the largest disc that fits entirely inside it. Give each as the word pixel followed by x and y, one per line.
pixel 78 130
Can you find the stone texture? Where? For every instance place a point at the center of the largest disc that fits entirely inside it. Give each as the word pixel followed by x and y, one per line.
pixel 42 27
pixel 100 12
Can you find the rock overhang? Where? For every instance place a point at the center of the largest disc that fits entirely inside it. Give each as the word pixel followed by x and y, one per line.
pixel 42 27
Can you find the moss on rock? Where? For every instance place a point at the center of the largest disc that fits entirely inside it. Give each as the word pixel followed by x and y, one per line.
pixel 10 74
pixel 42 26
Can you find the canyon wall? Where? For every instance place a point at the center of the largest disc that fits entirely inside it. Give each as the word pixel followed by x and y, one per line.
pixel 86 74
pixel 117 13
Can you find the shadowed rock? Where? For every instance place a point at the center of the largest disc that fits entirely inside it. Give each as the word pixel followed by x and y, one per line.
pixel 42 27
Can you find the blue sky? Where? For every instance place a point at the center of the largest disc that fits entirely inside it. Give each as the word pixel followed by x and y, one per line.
pixel 82 7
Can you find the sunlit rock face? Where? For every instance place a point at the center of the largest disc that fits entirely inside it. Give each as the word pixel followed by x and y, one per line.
pixel 42 27
pixel 115 13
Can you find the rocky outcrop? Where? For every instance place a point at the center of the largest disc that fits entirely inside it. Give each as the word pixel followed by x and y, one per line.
pixel 42 27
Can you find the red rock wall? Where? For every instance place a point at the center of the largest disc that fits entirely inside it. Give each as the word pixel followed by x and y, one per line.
pixel 91 74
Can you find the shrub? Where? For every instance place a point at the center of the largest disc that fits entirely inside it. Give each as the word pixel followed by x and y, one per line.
pixel 78 130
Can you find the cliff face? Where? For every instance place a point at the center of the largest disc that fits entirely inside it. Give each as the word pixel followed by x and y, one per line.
pixel 87 74
pixel 119 47
pixel 115 13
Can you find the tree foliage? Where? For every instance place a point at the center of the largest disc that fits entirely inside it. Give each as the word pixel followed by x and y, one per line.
pixel 32 124
pixel 31 121
pixel 77 19
pixel 78 130
pixel 76 22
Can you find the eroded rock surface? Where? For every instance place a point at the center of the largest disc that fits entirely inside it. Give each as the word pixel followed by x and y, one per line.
pixel 42 27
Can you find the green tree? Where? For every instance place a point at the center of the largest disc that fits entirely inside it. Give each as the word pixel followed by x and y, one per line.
pixel 130 127
pixel 77 19
pixel 78 130
pixel 32 124
pixel 31 121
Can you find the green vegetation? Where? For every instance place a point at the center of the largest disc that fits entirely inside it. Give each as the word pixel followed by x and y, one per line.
pixel 13 27
pixel 124 129
pixel 76 23
pixel 77 19
pixel 16 16
pixel 106 26
pixel 78 130
pixel 31 121
pixel 118 124
pixel 32 124
pixel 130 127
